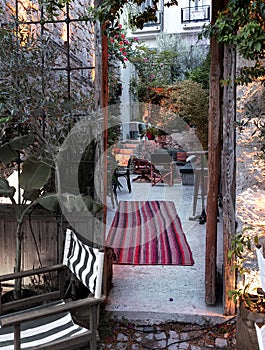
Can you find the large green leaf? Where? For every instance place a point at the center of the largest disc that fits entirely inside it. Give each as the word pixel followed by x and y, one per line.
pixel 97 207
pixel 35 174
pixel 68 201
pixel 49 201
pixel 5 189
pixel 79 203
pixel 21 142
pixel 7 154
pixel 9 150
pixel 88 202
pixel 31 195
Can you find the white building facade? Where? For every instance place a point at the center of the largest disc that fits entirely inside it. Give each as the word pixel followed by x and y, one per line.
pixel 182 23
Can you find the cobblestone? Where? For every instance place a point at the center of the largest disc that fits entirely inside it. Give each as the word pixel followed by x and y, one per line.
pixel 170 336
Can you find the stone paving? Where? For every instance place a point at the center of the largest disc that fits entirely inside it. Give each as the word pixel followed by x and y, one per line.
pixel 170 336
pixel 163 315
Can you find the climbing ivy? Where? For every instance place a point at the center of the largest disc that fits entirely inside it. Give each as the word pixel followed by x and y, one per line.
pixel 242 24
pixel 110 11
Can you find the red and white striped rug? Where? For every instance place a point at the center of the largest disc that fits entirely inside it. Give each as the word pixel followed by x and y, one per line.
pixel 148 233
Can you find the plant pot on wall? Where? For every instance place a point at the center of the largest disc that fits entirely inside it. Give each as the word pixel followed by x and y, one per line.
pixel 246 337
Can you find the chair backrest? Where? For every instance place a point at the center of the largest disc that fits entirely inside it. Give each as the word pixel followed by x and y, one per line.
pixel 85 262
pixel 161 158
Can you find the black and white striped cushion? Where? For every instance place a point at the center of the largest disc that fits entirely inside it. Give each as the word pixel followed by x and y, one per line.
pixel 41 331
pixel 78 257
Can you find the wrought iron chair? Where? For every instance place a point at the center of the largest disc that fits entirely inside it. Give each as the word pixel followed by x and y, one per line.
pixel 50 325
pixel 122 171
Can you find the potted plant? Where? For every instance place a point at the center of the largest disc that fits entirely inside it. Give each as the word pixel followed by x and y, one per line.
pixel 150 132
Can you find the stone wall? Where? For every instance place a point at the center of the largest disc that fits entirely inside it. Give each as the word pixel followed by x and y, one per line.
pixel 250 176
pixel 81 38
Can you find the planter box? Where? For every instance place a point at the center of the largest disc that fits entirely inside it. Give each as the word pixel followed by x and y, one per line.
pixel 187 174
pixel 187 179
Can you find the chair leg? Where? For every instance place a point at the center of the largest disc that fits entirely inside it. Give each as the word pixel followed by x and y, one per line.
pixel 128 183
pixel 196 191
pixel 93 326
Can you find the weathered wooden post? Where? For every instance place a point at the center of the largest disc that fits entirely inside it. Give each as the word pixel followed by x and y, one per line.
pixel 214 157
pixel 229 172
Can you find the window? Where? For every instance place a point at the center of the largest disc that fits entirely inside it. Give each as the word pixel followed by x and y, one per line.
pixel 195 13
pixel 147 4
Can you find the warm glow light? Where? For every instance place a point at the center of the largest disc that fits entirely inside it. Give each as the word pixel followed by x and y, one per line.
pixel 93 55
pixel 93 71
pixel 24 8
pixel 64 32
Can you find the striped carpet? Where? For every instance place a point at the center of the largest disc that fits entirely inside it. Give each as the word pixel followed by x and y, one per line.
pixel 148 233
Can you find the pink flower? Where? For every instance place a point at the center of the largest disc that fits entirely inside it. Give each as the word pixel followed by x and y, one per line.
pixel 121 48
pixel 121 43
pixel 124 53
pixel 125 59
pixel 123 36
pixel 116 36
pixel 135 39
pixel 152 77
pixel 120 26
pixel 111 40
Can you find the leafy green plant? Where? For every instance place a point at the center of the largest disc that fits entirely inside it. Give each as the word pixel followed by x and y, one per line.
pixel 119 46
pixel 185 102
pixel 110 11
pixel 242 24
pixel 35 116
pixel 201 74
pixel 150 132
pixel 240 253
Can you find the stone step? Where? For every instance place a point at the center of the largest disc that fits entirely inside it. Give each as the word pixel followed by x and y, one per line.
pixel 122 159
pixel 123 150
pixel 128 145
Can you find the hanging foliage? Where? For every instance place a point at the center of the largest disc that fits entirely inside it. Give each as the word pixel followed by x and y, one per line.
pixel 110 11
pixel 242 24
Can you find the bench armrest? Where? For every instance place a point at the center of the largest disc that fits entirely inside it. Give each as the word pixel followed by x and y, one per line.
pixel 21 274
pixel 31 314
